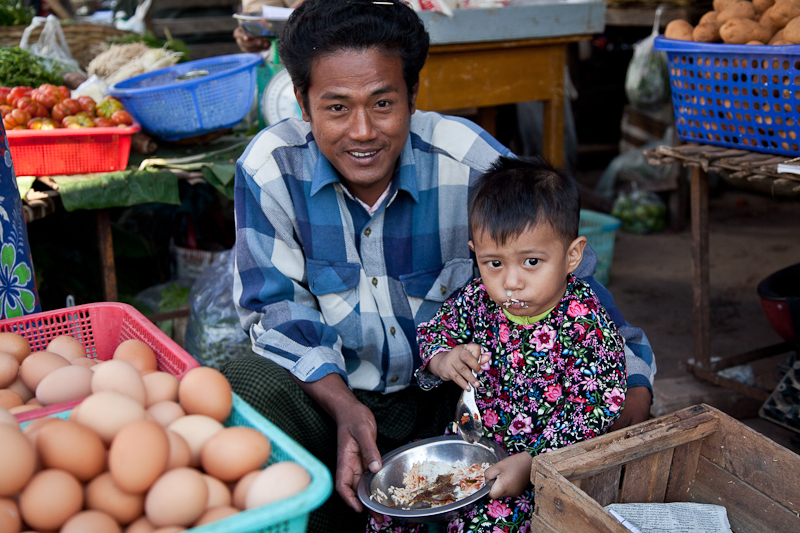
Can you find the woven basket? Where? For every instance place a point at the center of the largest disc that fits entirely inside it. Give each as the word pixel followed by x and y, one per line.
pixel 86 40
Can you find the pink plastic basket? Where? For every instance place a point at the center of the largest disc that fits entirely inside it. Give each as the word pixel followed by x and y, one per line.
pixel 100 327
pixel 70 151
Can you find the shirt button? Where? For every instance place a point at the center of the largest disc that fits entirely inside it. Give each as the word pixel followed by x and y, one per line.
pixel 443 289
pixel 375 282
pixel 394 379
pixel 391 330
pixel 367 231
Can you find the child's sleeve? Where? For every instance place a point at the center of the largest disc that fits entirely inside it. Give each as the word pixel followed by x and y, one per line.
pixel 590 394
pixel 450 326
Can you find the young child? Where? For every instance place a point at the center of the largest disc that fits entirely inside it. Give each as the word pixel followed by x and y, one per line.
pixel 550 361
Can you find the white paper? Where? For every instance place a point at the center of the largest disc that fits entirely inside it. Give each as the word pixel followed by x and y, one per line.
pixel 276 13
pixel 788 168
pixel 676 517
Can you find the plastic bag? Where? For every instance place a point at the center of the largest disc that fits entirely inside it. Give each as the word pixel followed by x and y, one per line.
pixel 647 79
pixel 136 22
pixel 214 335
pixel 640 211
pixel 52 44
pixel 164 298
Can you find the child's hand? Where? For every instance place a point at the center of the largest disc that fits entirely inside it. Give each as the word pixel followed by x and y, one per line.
pixel 512 475
pixel 457 364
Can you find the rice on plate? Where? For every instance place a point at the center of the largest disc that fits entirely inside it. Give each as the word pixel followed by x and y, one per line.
pixel 436 483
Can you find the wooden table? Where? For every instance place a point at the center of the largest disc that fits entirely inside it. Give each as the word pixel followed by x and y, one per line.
pixel 760 171
pixel 487 74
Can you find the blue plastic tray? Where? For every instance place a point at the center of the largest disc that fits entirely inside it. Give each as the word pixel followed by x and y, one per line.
pixel 172 107
pixel 285 516
pixel 740 96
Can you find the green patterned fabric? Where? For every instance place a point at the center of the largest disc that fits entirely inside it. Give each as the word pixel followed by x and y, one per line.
pixel 403 416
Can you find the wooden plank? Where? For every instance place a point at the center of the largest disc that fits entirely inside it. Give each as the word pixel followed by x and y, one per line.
pixel 553 128
pixel 603 487
pixel 756 460
pixel 107 269
pixel 700 269
pixel 565 507
pixel 194 25
pixel 646 478
pixel 644 17
pixel 636 447
pixel 707 375
pixel 749 510
pixel 682 472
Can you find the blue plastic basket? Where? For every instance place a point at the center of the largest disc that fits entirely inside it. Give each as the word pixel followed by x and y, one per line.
pixel 600 230
pixel 740 96
pixel 285 516
pixel 173 104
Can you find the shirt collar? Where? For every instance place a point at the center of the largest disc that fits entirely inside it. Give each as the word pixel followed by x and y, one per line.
pixel 405 176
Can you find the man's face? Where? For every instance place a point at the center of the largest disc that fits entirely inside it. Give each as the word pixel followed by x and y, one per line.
pixel 359 113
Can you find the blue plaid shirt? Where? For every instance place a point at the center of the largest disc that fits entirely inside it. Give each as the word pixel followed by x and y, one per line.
pixel 322 286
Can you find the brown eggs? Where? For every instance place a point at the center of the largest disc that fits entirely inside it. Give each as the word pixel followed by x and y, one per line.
pixel 9 367
pixel 160 387
pixel 71 447
pixel 206 391
pixel 233 452
pixel 14 344
pixel 67 347
pixel 10 520
pixel 90 522
pixel 137 354
pixel 138 455
pixel 276 482
pixel 37 365
pixel 63 384
pixel 104 495
pixel 107 412
pixel 121 377
pixel 195 430
pixel 177 498
pixel 17 460
pixel 50 498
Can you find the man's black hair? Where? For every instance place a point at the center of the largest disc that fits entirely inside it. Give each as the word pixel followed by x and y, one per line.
pixel 515 195
pixel 319 27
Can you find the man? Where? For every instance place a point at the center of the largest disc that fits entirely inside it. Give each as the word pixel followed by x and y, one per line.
pixel 351 230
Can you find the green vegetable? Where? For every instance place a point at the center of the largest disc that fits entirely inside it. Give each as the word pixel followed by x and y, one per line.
pixel 20 67
pixel 152 41
pixel 15 13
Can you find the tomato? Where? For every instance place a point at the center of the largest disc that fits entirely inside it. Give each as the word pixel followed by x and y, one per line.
pixel 47 95
pixel 16 117
pixel 5 109
pixel 102 122
pixel 16 93
pixel 88 105
pixel 65 92
pixel 4 94
pixel 78 120
pixel 122 118
pixel 65 108
pixel 34 108
pixel 42 124
pixel 108 106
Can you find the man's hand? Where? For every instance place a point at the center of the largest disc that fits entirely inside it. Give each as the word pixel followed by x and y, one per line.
pixel 512 475
pixel 248 44
pixel 636 408
pixel 458 364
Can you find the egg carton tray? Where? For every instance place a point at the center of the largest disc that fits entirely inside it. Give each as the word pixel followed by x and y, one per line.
pixel 100 328
pixel 285 516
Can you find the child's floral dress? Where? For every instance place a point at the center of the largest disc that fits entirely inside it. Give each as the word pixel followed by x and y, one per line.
pixel 549 384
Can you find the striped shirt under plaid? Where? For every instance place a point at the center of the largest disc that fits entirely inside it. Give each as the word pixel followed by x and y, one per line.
pixel 322 286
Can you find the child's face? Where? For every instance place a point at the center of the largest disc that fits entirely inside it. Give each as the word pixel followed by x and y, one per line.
pixel 528 274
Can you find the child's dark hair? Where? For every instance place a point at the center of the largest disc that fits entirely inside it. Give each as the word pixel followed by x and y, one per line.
pixel 515 195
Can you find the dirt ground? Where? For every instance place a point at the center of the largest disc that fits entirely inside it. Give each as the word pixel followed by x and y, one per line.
pixel 751 236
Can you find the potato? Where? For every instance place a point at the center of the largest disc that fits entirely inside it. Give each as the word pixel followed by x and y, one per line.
pixel 679 29
pixel 710 16
pixel 706 33
pixel 762 5
pixel 777 37
pixel 720 5
pixel 785 10
pixel 741 31
pixel 767 21
pixel 792 31
pixel 739 10
pixel 755 42
pixel 782 42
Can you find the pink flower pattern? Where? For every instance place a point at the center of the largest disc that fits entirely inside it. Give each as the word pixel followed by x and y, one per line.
pixel 545 387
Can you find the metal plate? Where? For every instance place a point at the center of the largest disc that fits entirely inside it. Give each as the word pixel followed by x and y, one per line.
pixel 448 449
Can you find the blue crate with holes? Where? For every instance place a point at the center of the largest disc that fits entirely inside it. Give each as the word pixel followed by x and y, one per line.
pixel 192 98
pixel 739 96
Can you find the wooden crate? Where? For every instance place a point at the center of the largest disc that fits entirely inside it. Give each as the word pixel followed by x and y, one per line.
pixel 698 454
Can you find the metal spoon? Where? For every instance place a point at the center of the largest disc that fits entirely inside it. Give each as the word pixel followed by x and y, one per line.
pixel 468 418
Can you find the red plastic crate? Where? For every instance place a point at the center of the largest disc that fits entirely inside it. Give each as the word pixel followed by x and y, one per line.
pixel 70 151
pixel 100 327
